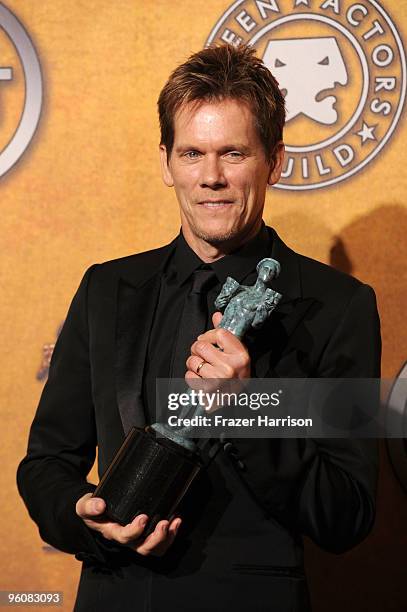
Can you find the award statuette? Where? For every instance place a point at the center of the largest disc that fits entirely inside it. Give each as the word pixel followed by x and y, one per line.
pixel 154 467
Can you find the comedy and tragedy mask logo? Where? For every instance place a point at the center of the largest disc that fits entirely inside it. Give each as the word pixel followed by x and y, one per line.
pixel 306 67
pixel 20 90
pixel 341 67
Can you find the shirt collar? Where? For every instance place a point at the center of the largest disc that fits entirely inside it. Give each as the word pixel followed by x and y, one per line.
pixel 238 264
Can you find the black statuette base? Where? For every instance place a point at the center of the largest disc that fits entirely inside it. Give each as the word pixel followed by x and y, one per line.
pixel 148 475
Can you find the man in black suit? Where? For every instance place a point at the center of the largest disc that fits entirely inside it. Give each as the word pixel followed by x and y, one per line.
pixel 240 542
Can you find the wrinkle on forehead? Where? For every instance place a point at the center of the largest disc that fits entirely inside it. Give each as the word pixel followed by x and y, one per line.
pixel 211 120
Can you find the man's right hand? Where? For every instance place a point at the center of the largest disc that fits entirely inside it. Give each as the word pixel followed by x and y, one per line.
pixel 90 508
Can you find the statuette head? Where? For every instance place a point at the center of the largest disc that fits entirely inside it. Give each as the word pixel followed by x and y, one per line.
pixel 267 269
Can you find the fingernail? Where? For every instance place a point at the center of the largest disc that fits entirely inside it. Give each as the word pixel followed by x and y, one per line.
pixel 164 528
pixel 143 520
pixel 97 506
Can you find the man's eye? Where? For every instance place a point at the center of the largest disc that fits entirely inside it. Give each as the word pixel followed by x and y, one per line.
pixel 192 154
pixel 234 154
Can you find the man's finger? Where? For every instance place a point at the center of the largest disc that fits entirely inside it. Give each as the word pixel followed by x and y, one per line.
pixel 198 383
pixel 172 532
pixel 161 539
pixel 216 318
pixel 89 507
pixel 223 338
pixel 155 538
pixel 160 543
pixel 204 351
pixel 127 533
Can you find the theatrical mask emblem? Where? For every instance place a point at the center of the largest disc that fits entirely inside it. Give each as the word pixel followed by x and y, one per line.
pixel 304 69
pixel 341 66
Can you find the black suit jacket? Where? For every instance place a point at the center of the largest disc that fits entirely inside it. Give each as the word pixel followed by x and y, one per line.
pixel 244 518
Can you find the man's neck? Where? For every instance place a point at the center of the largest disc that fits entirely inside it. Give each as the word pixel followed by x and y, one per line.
pixel 210 252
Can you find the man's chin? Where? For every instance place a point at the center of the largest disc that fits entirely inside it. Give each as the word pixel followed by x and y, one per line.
pixel 218 237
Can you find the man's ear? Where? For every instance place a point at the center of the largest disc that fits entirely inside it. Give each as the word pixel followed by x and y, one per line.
pixel 277 165
pixel 165 168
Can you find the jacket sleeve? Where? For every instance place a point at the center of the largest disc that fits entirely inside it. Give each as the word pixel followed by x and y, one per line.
pixel 62 442
pixel 325 488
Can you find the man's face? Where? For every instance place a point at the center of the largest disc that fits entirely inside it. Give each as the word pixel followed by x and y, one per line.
pixel 219 170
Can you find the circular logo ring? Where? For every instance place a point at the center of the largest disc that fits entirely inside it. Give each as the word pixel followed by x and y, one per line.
pixel 33 90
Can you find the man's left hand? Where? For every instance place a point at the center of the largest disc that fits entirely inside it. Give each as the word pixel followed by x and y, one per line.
pixel 232 361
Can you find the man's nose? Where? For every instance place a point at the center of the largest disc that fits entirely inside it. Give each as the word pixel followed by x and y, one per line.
pixel 212 173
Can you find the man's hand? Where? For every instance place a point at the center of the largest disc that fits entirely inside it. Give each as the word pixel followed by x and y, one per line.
pixel 90 508
pixel 232 361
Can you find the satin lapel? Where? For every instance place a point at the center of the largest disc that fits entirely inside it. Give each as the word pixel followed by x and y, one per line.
pixel 136 308
pixel 137 299
pixel 275 338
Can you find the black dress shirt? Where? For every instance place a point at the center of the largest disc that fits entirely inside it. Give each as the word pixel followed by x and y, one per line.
pixel 175 285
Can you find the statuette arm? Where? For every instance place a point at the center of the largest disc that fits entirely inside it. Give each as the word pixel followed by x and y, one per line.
pixel 229 289
pixel 268 303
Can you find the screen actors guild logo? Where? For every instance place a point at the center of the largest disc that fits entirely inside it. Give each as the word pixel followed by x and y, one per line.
pixel 304 68
pixel 20 107
pixel 341 66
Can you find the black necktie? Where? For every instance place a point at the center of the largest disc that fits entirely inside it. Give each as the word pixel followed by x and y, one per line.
pixel 193 318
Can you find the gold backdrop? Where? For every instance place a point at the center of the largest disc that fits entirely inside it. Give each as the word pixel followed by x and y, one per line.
pixel 88 189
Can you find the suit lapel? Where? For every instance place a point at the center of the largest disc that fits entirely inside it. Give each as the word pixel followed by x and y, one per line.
pixel 137 299
pixel 277 334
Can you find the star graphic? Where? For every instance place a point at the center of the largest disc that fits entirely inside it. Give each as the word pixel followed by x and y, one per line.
pixel 366 133
pixel 298 2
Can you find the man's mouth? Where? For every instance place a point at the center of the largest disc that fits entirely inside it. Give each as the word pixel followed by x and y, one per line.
pixel 215 203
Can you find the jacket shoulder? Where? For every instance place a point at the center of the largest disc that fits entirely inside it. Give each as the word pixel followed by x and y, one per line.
pixel 135 259
pixel 133 269
pixel 318 277
pixel 336 291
